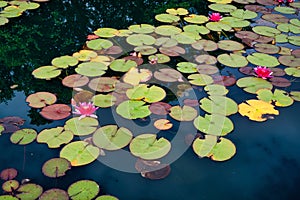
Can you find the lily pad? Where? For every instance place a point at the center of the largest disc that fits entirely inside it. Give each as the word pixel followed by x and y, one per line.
pixel 186 37
pixel 168 75
pixel 207 69
pixel 142 28
pixel 83 189
pixel 167 18
pixel 185 113
pixel 64 61
pixel 134 76
pixel 83 96
pixel 256 109
pixel 258 9
pixel 200 79
pixel 275 18
pixel 219 105
pixel 166 42
pixel 56 111
pixel 104 101
pixel 206 59
pixel 253 84
pixel 46 72
pixel 146 50
pixel 161 58
pixel 243 14
pixel 79 153
pixel 75 80
pixel 103 84
pixel 218 26
pixel 295 95
pixel 196 19
pixel 266 31
pixel 202 147
pixel 56 167
pixel 99 44
pixel 91 69
pixel 295 40
pixel 193 28
pixel 3 20
pixel 85 55
pixel 280 82
pixel 140 39
pixel 1 128
pixel 163 124
pixel 23 136
pixel 148 147
pixel 167 30
pixel 223 150
pixel 235 22
pixel 227 8
pixel 172 51
pixel 149 95
pixel 8 174
pixel 214 124
pixel 267 48
pixel 110 137
pixel 54 194
pixel 160 108
pixel 290 61
pixel 106 32
pixel 280 97
pixel 206 45
pixel 41 99
pixel 262 59
pixel 29 191
pixel 224 80
pixel 292 71
pixel 289 28
pixel 232 60
pixel 177 11
pixel 187 67
pixel 246 35
pixel 133 109
pixel 81 127
pixel 230 45
pixel 106 197
pixel 285 10
pixel 121 65
pixel 8 197
pixel 55 137
pixel 10 186
pixel 216 90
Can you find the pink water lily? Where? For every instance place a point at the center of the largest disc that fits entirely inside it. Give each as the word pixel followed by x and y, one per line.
pixel 263 72
pixel 85 110
pixel 215 17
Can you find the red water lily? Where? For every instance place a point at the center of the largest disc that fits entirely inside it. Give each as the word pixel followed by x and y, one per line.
pixel 263 72
pixel 215 17
pixel 85 110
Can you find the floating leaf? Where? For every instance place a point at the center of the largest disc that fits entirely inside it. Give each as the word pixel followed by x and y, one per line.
pixel 167 30
pixel 243 14
pixel 177 11
pixel 185 113
pixel 140 40
pixel 75 80
pixel 46 72
pixel 8 174
pixel 253 84
pixel 79 153
pixel 221 1
pixel 295 95
pixel 196 29
pixel 134 76
pixel 104 101
pixel 295 40
pixel 166 42
pixel 214 124
pixel 206 45
pixel 41 99
pixel 285 10
pixel 85 55
pixel 3 20
pixel 280 82
pixel 8 197
pixel 103 84
pixel 83 96
pixel 146 50
pixel 200 79
pixel 56 167
pixel 266 31
pixel 168 75
pixel 207 69
pixel 280 97
pixel 163 124
pixel 106 32
pixel 206 59
pixel 216 90
pixel 186 37
pixel 257 9
pixel 172 51
pixel 64 61
pixel 160 108
pixel 235 22
pixel 292 71
pixel 202 147
pixel 262 59
pixel 133 109
pixel 275 18
pixel 10 186
pixel 110 137
pixel 142 28
pixel 186 67
pixel 222 8
pixel 232 60
pixel 142 92
pixel 290 61
pixel 99 44
pixel 289 28
pixel 121 65
pixel 91 69
pixel 161 58
pixel 246 35
pixel 267 48
pixel 219 105
pixel 167 18
pixel 23 136
pixel 29 191
pixel 1 128
pixel 223 150
pixel 196 19
pixel 147 147
pixel 55 137
pixel 230 45
pixel 84 126
pixel 106 197
pixel 224 80
pixel 83 189
pixel 54 194
pixel 56 111
pixel 218 26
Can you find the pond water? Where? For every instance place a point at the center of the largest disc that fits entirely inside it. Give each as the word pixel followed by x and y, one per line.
pixel 267 162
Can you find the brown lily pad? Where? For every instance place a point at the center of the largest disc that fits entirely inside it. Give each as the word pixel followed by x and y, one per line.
pixel 247 70
pixel 83 96
pixel 138 60
pixel 103 84
pixel 290 61
pixel 172 51
pixel 153 169
pixel 75 80
pixel 11 124
pixel 258 8
pixel 207 69
pixel 206 59
pixel 114 50
pixel 8 174
pixel 246 34
pixel 264 39
pixel 56 111
pixel 168 75
pixel 296 53
pixel 224 80
pixel 267 2
pixel 267 48
pixel 41 99
pixel 160 108
pixel 280 82
pixel 275 18
pixel 206 45
pixel 191 102
pixel 277 72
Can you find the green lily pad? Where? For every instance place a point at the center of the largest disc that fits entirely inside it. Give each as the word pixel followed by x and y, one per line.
pixel 142 28
pixel 142 92
pixel 266 31
pixel 29 191
pixel 200 79
pixel 290 61
pixel 253 84
pixel 166 42
pixel 216 90
pixel 106 32
pixel 262 59
pixel 29 5
pixel 83 189
pixel 148 147
pixel 46 72
pixel 206 45
pixel 10 186
pixel 230 45
pixel 196 29
pixel 79 153
pixel 280 97
pixel 81 127
pixel 106 197
pixel 295 21
pixel 289 28
pixel 55 137
pixel 110 137
pixel 281 38
pixel 3 4
pixel 235 22
pixel 140 40
pixel 202 147
pixel 54 194
pixel 221 1
pixel 11 12
pixel 122 65
pixel 41 99
pixel 223 150
pixel 218 26
pixel 295 40
pixel 1 128
pixel 133 109
pixel 232 60
pixel 85 55
pixel 23 136
pixel 196 19
pixel 168 75
pixel 161 58
pixel 285 10
pixel 64 61
pixel 104 100
pixel 91 69
pixel 8 197
pixel 99 44
pixel 214 124
pixel 103 84
pixel 292 71
pixel 206 59
pixel 56 167
pixel 167 30
pixel 243 14
pixel 187 67
pixel 219 105
pixel 267 48
pixel 146 50
pixel 177 11
pixel 227 8
pixel 186 37
pixel 295 95
pixel 167 18
pixel 185 113
pixel 3 20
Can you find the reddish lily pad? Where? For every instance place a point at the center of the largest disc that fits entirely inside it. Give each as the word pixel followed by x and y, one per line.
pixel 83 96
pixel 23 136
pixel 162 172
pixel 160 108
pixel 267 2
pixel 280 82
pixel 56 167
pixel 136 59
pixel 75 80
pixel 191 102
pixel 11 124
pixel 54 194
pixel 56 112
pixel 168 75
pixel 8 174
pixel 41 99
pixel 258 9
pixel 246 35
pixel 224 80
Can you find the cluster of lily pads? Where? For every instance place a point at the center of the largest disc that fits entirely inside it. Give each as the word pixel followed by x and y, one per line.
pixel 120 69
pixel 11 9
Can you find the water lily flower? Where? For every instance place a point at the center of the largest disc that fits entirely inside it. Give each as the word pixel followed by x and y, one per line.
pixel 153 61
pixel 215 17
pixel 263 72
pixel 85 110
pixel 135 54
pixel 289 1
pixel 280 1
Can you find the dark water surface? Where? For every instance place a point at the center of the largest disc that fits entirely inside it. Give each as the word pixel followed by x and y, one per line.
pixel 267 162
